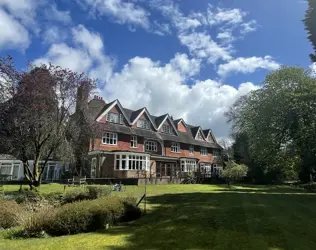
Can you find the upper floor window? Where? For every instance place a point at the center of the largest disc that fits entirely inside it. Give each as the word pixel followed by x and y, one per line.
pixel 175 147
pixel 191 150
pixel 113 117
pixel 143 124
pixel 134 141
pixel 216 154
pixel 203 151
pixel 166 129
pixel 151 146
pixel 199 136
pixel 109 138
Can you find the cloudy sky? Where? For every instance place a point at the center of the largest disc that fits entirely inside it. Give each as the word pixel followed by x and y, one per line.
pixel 190 58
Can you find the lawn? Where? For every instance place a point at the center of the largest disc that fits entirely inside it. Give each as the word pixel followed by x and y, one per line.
pixel 201 217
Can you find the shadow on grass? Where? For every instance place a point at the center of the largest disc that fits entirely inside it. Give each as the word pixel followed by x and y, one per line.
pixel 224 221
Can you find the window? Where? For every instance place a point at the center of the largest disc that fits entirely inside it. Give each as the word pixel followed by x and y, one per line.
pixel 199 136
pixel 143 124
pixel 203 151
pixel 191 150
pixel 151 146
pixel 131 162
pixel 166 129
pixel 110 138
pixel 188 165
pixel 121 119
pixel 112 117
pixel 134 141
pixel 215 154
pixel 175 147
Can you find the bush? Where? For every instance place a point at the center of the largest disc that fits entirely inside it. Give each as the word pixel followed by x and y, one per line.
pixel 309 186
pixel 98 191
pixel 84 216
pixel 11 214
pixel 27 196
pixel 75 195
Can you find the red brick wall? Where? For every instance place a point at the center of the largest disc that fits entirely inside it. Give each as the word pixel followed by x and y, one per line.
pixel 181 127
pixel 123 143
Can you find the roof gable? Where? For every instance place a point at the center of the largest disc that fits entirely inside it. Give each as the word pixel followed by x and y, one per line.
pixel 197 131
pixel 137 114
pixel 166 118
pixel 109 107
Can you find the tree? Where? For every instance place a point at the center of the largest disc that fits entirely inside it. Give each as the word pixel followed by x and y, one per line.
pixel 35 121
pixel 310 25
pixel 234 172
pixel 279 123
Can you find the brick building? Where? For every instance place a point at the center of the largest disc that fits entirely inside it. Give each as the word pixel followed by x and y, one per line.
pixel 134 143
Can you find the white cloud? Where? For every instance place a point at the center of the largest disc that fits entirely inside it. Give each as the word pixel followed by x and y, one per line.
pixel 163 88
pixel 216 16
pixel 85 56
pixel 313 69
pixel 248 27
pixel 53 14
pixel 54 34
pixel 13 34
pixel 121 12
pixel 161 29
pixel 247 65
pixel 186 66
pixel 201 45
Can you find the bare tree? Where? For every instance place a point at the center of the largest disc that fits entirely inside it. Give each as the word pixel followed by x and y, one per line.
pixel 35 119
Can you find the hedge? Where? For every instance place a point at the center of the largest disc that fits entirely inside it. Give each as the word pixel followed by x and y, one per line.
pixel 83 216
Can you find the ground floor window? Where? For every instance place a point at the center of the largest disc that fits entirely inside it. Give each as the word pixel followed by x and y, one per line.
pixel 93 167
pixel 188 165
pixel 125 161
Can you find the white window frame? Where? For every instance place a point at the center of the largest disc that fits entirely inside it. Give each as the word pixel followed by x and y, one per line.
pixel 175 147
pixel 142 123
pixel 108 136
pixel 191 150
pixel 131 162
pixel 216 154
pixel 203 151
pixel 112 117
pixel 151 146
pixel 188 165
pixel 134 143
pixel 166 129
pixel 121 119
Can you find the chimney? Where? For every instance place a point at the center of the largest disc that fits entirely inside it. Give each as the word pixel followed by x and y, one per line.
pixel 82 96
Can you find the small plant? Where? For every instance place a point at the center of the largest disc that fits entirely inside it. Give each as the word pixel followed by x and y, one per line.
pixel 98 191
pixel 75 195
pixel 11 214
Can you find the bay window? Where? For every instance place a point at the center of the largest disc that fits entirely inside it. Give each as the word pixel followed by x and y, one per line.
pixel 203 151
pixel 188 165
pixel 109 138
pixel 175 147
pixel 151 146
pixel 124 161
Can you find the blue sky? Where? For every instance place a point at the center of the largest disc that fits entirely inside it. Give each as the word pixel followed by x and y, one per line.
pixel 192 59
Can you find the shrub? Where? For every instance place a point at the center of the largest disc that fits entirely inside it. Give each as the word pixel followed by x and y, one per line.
pixel 75 195
pixel 98 191
pixel 11 214
pixel 131 211
pixel 27 196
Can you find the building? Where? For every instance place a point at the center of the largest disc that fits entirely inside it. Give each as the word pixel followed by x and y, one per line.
pixel 134 144
pixel 12 169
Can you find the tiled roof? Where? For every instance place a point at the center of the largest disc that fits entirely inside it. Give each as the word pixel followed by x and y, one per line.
pixel 183 137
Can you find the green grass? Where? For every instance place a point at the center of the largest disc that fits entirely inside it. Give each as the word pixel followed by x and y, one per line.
pixel 201 217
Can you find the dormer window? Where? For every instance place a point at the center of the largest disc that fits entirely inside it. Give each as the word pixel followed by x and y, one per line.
pixel 199 136
pixel 143 124
pixel 114 117
pixel 166 129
